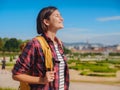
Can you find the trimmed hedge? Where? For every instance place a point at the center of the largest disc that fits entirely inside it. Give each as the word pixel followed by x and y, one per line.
pixel 7 88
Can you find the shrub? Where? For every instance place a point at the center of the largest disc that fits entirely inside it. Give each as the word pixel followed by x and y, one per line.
pixel 102 75
pixel 11 58
pixel 7 88
pixel 85 72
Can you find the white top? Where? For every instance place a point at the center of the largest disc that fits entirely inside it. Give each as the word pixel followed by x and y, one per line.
pixel 61 69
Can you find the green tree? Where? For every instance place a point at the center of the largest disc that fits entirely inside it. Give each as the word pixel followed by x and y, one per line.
pixel 12 44
pixel 67 51
pixel 1 43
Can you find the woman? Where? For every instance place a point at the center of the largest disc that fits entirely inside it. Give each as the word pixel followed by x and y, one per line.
pixel 49 21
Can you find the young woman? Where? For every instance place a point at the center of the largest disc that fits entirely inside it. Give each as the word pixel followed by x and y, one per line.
pixel 49 21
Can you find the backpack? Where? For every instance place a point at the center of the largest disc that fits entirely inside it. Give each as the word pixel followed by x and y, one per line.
pixel 48 60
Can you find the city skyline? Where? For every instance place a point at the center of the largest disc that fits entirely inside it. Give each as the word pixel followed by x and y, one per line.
pixel 84 20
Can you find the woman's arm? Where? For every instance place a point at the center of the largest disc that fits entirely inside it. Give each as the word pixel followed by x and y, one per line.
pixel 49 77
pixel 29 79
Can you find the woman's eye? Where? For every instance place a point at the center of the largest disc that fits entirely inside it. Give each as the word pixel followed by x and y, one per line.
pixel 56 15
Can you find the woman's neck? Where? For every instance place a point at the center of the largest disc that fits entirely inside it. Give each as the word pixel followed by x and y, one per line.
pixel 52 36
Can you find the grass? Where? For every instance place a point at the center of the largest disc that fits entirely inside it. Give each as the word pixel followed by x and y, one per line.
pixel 102 75
pixel 96 68
pixel 7 88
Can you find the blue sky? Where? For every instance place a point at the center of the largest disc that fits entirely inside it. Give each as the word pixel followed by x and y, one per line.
pixel 95 21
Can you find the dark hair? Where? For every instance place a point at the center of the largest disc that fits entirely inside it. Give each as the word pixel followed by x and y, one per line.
pixel 44 14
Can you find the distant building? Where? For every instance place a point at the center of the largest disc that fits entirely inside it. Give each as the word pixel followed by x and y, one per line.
pixel 118 47
pixel 94 48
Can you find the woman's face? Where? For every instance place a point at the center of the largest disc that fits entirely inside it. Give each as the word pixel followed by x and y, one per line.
pixel 56 21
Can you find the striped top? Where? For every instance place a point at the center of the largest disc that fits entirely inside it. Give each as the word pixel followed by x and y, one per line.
pixel 61 69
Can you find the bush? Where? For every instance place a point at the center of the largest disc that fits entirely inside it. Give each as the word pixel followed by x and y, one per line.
pixel 102 75
pixel 85 72
pixel 10 64
pixel 94 67
pixel 103 69
pixel 11 58
pixel 7 88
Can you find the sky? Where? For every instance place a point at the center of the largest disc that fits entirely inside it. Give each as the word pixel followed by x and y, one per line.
pixel 93 21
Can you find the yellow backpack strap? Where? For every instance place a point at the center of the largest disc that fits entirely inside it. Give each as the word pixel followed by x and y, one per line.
pixel 24 86
pixel 47 52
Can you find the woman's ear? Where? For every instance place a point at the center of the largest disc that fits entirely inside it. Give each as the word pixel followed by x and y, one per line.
pixel 46 22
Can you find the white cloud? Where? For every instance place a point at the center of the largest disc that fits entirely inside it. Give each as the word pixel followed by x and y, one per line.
pixel 104 38
pixel 108 18
pixel 73 34
pixel 107 39
pixel 75 30
pixel 103 35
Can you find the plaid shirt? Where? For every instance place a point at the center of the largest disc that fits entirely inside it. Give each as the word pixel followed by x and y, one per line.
pixel 32 60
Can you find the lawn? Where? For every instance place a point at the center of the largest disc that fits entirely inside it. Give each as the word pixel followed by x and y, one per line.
pixel 95 68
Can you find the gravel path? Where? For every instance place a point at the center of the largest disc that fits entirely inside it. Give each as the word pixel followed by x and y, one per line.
pixel 7 81
pixel 91 86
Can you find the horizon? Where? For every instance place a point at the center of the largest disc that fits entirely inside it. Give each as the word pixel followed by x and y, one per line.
pixel 88 20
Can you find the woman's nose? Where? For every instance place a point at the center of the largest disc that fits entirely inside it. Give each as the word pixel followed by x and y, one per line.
pixel 61 19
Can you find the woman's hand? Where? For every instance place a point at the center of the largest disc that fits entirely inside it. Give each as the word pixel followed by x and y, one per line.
pixel 49 77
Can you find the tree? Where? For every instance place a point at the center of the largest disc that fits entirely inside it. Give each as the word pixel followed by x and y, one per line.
pixel 66 51
pixel 12 45
pixel 1 43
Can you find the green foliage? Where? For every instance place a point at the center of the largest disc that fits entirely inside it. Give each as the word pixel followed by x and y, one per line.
pixel 1 43
pixel 7 88
pixel 8 54
pixel 76 54
pixel 66 51
pixel 85 72
pixel 109 61
pixel 10 44
pixel 114 54
pixel 102 75
pixel 72 61
pixel 90 54
pixel 96 68
pixel 99 67
pixel 11 58
pixel 10 64
pixel 102 69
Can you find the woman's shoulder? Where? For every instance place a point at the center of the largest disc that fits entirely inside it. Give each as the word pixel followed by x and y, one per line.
pixel 30 43
pixel 34 42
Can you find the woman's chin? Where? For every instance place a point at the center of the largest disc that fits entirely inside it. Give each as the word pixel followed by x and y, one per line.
pixel 61 27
